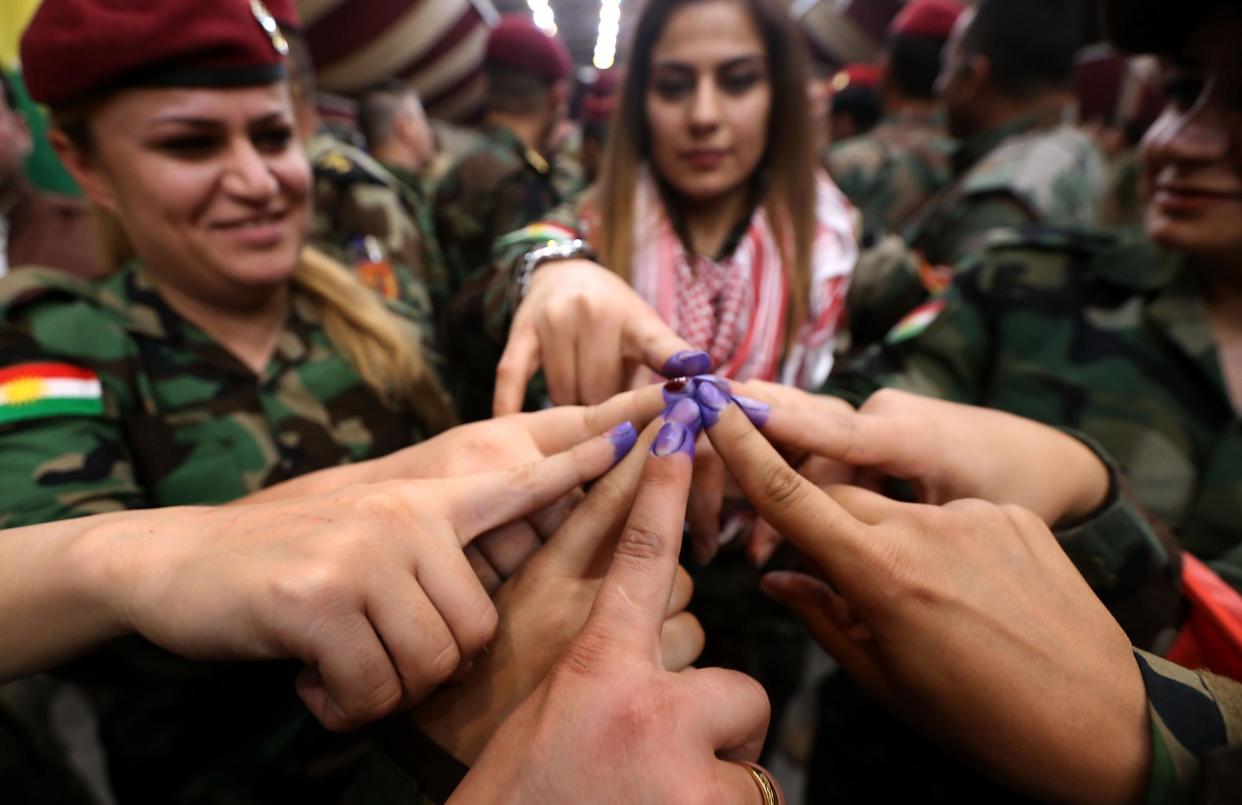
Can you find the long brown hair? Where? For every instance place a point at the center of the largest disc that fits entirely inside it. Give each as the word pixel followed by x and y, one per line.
pixel 384 349
pixel 787 165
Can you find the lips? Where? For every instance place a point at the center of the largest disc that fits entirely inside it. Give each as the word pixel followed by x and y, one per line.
pixel 255 231
pixel 705 158
pixel 1185 197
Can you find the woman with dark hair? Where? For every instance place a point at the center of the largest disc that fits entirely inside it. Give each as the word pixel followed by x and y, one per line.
pixel 707 229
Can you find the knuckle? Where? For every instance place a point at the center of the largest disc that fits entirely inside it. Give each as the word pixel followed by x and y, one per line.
pixel 640 543
pixel 782 486
pixel 443 661
pixel 378 702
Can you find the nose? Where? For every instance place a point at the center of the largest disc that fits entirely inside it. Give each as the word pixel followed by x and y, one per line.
pixel 247 174
pixel 705 108
pixel 1202 133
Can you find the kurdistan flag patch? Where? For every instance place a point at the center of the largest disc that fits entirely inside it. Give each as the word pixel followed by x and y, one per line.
pixel 37 390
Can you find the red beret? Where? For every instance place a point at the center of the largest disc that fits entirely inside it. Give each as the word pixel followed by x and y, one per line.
pixel 933 19
pixel 517 43
pixel 76 48
pixel 861 76
pixel 285 13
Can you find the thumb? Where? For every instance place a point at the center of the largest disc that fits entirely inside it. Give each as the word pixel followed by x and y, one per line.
pixel 630 607
pixel 829 620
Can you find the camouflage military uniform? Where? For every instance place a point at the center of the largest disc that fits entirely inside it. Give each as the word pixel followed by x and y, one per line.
pixel 1016 175
pixel 496 187
pixel 183 422
pixel 356 198
pixel 1098 333
pixel 890 172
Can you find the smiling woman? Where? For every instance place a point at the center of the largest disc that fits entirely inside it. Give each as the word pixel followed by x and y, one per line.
pixel 221 361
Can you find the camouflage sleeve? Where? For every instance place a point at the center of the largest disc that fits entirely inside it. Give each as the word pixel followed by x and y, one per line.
pixel 559 226
pixel 939 349
pixel 63 456
pixel 1196 733
pixel 1130 558
pixel 965 231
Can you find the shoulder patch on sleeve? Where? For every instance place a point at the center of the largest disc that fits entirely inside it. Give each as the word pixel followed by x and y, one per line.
pixel 915 322
pixel 42 390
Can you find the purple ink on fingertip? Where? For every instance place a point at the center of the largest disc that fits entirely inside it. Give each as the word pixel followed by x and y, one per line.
pixel 623 437
pixel 674 437
pixel 712 401
pixel 687 413
pixel 757 412
pixel 688 363
pixel 716 380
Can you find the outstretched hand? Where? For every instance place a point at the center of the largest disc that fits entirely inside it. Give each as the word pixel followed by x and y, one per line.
pixel 609 724
pixel 967 618
pixel 589 331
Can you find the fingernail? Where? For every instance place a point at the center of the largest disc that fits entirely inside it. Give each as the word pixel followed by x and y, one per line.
pixel 623 437
pixel 674 437
pixel 687 413
pixel 757 412
pixel 712 401
pixel 688 363
pixel 716 380
pixel 679 388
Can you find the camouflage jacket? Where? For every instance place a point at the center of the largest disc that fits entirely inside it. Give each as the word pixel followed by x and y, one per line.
pixel 1016 175
pixel 376 221
pixel 181 421
pixel 496 187
pixel 1196 730
pixel 890 172
pixel 1098 333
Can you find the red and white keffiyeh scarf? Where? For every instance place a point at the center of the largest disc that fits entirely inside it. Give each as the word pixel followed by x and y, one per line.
pixel 737 309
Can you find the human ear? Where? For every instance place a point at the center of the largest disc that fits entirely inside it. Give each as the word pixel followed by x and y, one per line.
pixel 85 170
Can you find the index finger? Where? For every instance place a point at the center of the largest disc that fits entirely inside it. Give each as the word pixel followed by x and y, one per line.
pixel 649 339
pixel 633 599
pixel 557 429
pixel 809 519
pixel 518 364
pixel 478 503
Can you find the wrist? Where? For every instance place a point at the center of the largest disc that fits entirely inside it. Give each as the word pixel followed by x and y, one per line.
pixel 1093 480
pixel 108 562
pixel 523 275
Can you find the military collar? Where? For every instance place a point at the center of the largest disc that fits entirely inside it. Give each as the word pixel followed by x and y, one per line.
pixel 973 148
pixel 530 156
pixel 132 295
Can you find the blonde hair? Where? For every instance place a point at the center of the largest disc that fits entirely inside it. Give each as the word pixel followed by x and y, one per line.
pixel 787 164
pixel 385 349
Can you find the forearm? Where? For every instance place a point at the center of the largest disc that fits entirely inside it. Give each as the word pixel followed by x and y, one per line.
pixel 62 587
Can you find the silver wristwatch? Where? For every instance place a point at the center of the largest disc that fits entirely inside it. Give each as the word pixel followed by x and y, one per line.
pixel 520 282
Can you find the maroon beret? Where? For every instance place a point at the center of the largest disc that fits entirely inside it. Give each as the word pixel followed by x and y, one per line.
pixel 286 13
pixel 74 49
pixel 933 19
pixel 517 43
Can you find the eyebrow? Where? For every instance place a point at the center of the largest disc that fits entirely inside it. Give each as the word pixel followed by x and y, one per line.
pixel 211 123
pixel 736 61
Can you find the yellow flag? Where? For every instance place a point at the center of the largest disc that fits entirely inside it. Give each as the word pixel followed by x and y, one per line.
pixel 13 19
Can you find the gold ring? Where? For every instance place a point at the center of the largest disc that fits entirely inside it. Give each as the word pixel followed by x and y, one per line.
pixel 769 789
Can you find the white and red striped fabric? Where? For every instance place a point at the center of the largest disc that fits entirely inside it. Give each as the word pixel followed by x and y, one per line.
pixel 435 45
pixel 737 309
